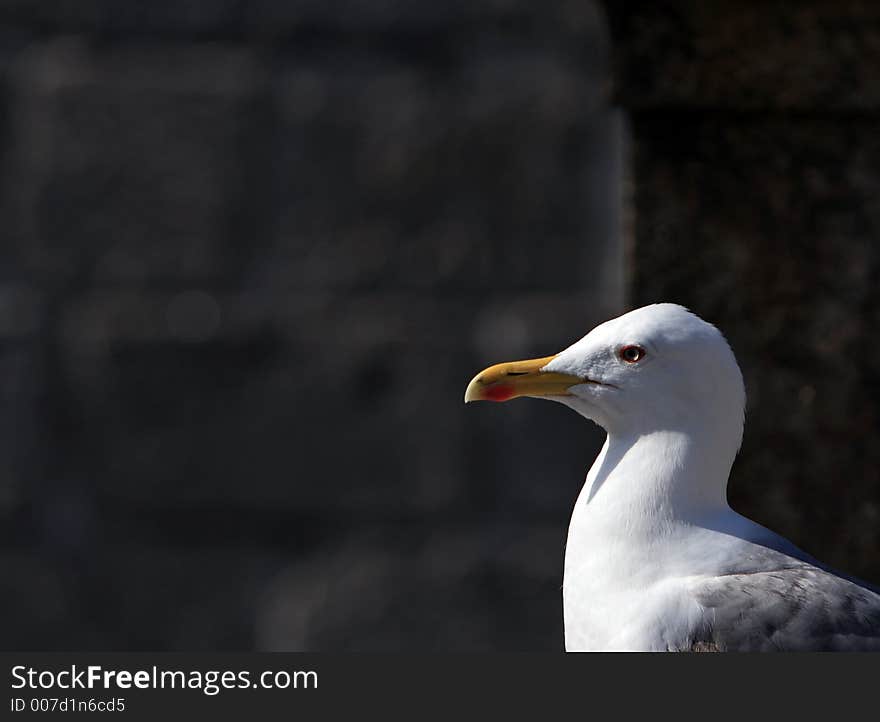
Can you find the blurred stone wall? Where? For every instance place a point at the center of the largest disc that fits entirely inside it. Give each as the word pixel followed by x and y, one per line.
pixel 756 193
pixel 251 255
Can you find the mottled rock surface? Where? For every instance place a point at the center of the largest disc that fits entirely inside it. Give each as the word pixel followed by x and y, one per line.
pixel 253 253
pixel 755 184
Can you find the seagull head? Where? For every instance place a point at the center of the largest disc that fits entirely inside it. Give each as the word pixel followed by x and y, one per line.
pixel 657 368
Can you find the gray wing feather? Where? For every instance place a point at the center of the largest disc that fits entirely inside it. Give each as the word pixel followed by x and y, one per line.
pixel 795 606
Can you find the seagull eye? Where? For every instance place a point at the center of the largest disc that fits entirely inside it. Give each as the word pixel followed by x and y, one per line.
pixel 631 354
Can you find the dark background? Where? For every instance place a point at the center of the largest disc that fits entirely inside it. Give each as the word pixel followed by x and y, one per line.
pixel 252 252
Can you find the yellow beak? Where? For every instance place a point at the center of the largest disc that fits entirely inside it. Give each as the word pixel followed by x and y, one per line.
pixel 506 381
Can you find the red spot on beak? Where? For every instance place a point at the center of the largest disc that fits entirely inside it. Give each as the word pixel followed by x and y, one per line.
pixel 498 392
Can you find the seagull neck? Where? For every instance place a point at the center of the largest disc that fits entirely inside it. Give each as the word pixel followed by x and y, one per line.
pixel 662 475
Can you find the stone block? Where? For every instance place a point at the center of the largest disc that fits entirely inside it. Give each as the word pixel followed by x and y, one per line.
pixel 746 56
pixel 491 173
pixel 468 589
pixel 109 17
pixel 319 403
pixel 134 163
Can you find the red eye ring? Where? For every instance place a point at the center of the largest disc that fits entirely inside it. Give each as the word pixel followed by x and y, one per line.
pixel 631 354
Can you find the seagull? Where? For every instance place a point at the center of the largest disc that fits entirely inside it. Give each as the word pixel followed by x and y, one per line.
pixel 656 560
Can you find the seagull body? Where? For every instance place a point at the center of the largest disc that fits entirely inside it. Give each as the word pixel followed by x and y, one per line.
pixel 656 560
